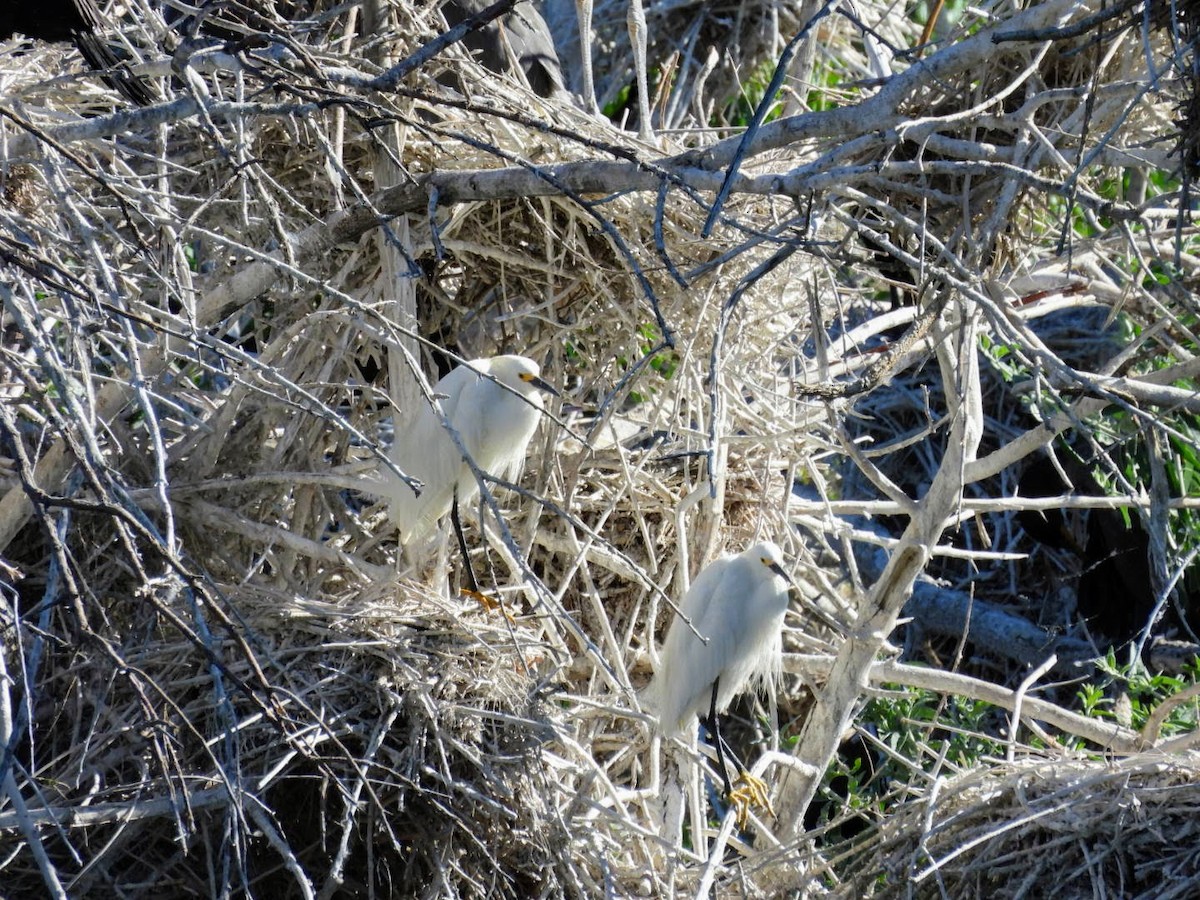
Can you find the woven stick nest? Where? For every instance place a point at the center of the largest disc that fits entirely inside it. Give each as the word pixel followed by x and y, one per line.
pixel 215 677
pixel 1067 828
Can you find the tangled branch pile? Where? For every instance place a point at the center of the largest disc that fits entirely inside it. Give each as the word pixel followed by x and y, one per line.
pixel 214 678
pixel 1027 829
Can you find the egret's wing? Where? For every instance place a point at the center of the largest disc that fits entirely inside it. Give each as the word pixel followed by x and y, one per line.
pixel 509 463
pixel 496 423
pixel 732 627
pixel 755 641
pixel 698 601
pixel 688 666
pixel 694 607
pixel 472 412
pixel 739 611
pixel 422 448
pixel 455 384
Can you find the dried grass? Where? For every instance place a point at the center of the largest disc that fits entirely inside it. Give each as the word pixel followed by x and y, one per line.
pixel 229 686
pixel 1042 828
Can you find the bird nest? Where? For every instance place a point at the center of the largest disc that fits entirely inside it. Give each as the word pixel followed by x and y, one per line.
pixel 216 678
pixel 1071 828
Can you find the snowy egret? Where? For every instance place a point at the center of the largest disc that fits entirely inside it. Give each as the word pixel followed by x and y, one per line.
pixel 737 603
pixel 494 405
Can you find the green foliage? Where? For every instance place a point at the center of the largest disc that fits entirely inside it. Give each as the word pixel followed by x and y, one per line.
pixel 920 732
pixel 1145 693
pixel 924 728
pixel 614 107
pixel 575 354
pixel 1157 273
pixel 1092 700
pixel 1163 182
pixel 1114 185
pixel 1181 438
pixel 1005 358
pixel 663 363
pixel 952 12
pixel 753 91
pixel 1060 208
pixel 822 96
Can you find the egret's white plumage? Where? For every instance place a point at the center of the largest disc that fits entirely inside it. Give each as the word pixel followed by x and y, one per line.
pixel 494 423
pixel 738 603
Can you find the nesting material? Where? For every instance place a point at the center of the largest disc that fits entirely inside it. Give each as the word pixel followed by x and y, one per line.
pixel 1073 829
pixel 214 679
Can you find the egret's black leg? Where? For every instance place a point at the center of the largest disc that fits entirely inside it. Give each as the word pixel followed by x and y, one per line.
pixel 472 589
pixel 752 791
pixel 462 546
pixel 712 725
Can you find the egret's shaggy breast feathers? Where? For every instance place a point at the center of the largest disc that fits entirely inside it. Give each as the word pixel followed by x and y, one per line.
pixel 738 603
pixel 494 416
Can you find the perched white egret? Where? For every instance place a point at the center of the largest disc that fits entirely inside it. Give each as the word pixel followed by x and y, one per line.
pixel 737 603
pixel 494 405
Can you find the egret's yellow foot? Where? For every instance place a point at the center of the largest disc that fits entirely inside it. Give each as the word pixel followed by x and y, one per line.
pixel 489 603
pixel 749 793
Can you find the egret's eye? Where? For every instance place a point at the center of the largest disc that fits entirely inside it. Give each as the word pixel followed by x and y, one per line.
pixel 525 376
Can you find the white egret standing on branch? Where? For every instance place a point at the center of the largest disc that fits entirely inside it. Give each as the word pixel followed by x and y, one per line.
pixel 494 405
pixel 737 605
